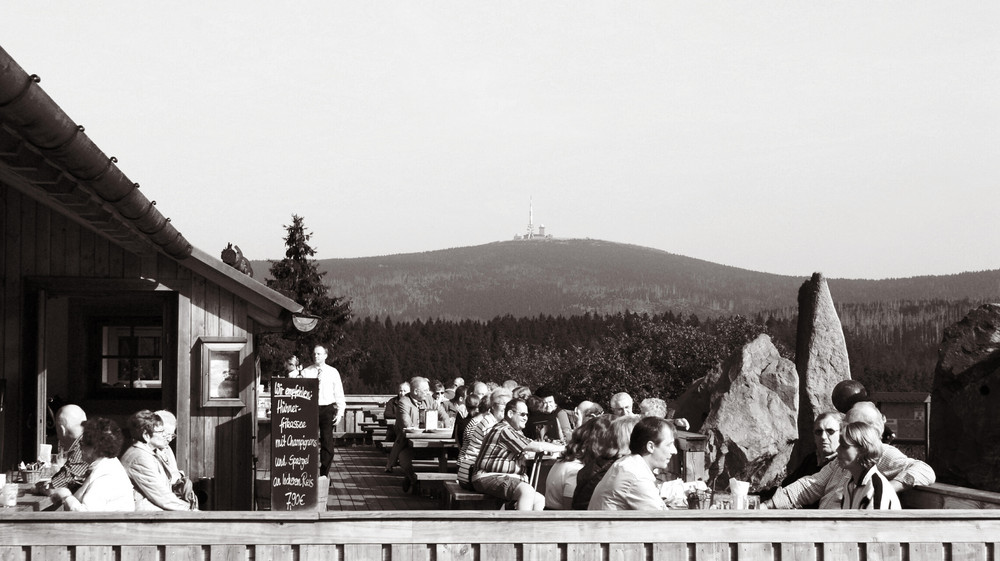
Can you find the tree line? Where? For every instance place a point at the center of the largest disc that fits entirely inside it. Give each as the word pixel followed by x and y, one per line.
pixel 892 345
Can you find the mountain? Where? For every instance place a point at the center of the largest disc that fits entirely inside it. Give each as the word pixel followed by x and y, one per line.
pixel 577 276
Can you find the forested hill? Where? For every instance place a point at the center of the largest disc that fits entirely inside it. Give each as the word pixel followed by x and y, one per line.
pixel 574 277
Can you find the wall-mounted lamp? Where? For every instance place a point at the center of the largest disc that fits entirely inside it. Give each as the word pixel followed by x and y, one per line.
pixel 304 322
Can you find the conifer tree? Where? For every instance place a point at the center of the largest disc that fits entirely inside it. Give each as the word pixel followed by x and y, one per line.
pixel 297 277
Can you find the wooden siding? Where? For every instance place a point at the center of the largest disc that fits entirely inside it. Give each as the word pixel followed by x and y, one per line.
pixel 438 536
pixel 39 242
pixel 221 439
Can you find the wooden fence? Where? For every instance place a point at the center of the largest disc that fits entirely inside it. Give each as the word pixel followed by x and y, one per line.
pixel 920 535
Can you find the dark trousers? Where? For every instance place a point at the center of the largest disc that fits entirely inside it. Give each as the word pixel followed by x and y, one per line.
pixel 327 413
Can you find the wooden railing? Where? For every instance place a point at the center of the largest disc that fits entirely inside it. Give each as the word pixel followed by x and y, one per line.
pixel 922 535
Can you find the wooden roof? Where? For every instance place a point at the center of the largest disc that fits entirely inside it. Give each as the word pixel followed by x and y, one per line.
pixel 48 157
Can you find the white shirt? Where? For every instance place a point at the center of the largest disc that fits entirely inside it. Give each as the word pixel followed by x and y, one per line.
pixel 331 389
pixel 628 485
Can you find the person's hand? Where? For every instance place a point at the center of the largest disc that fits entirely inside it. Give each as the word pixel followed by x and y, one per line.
pixel 336 420
pixel 60 493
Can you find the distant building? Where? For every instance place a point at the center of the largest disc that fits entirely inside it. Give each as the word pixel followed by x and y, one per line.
pixel 530 233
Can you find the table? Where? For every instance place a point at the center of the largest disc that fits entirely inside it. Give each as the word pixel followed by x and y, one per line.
pixel 440 440
pixel 27 501
pixel 539 467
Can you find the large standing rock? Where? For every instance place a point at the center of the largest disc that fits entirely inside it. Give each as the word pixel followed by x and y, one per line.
pixel 751 425
pixel 820 357
pixel 965 403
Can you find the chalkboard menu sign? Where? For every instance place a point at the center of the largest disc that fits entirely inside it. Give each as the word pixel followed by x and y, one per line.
pixel 294 443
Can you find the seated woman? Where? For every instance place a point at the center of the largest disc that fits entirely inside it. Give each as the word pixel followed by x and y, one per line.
pixel 611 442
pixel 859 451
pixel 561 481
pixel 107 486
pixel 147 469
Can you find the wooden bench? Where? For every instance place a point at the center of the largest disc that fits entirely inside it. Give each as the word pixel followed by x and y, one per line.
pixel 432 483
pixel 349 438
pixel 456 498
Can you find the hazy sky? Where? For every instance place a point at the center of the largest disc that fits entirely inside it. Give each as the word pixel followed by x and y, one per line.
pixel 858 139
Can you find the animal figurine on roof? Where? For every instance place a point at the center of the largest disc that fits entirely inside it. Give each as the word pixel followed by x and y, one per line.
pixel 233 257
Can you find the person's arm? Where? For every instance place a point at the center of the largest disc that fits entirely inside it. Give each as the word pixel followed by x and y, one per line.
pixel 390 408
pixel 72 474
pixel 339 398
pixel 904 472
pixel 806 490
pixel 565 426
pixel 405 417
pixel 152 482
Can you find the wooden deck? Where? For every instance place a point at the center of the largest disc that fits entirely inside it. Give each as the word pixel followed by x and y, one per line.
pixel 359 482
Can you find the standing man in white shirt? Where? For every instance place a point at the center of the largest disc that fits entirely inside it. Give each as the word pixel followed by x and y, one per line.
pixel 332 403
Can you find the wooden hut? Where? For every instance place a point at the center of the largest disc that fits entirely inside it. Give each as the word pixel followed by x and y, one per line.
pixel 105 304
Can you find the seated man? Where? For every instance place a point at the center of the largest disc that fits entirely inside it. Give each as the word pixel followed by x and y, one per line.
pixel 621 405
pixel 499 468
pixel 475 432
pixel 656 407
pixel 69 429
pixel 412 409
pixel 826 435
pixel 826 486
pixel 630 483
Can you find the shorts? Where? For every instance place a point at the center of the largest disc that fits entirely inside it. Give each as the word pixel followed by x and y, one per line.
pixel 503 486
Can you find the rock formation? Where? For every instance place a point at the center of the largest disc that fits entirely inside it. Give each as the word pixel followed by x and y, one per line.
pixel 751 426
pixel 965 403
pixel 820 357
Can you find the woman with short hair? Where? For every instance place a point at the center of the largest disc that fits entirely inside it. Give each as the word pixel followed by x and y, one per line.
pixel 146 468
pixel 859 451
pixel 107 486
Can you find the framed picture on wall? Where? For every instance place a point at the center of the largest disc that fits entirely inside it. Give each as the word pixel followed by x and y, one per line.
pixel 220 371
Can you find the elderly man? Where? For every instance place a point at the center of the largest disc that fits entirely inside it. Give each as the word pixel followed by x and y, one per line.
pixel 826 486
pixel 69 428
pixel 656 407
pixel 587 410
pixel 630 483
pixel 499 468
pixel 475 432
pixel 413 409
pixel 332 404
pixel 621 405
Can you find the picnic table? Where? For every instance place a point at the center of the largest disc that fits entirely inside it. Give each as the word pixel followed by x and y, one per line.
pixel 28 501
pixel 439 440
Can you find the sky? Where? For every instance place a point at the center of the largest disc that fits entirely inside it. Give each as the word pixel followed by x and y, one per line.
pixel 858 139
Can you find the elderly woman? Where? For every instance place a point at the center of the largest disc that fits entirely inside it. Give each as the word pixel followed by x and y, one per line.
pixel 611 442
pixel 148 470
pixel 107 486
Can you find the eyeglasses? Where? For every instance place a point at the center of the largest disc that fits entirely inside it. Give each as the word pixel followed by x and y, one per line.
pixel 828 432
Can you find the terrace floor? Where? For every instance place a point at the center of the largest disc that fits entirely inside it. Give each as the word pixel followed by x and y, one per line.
pixel 359 482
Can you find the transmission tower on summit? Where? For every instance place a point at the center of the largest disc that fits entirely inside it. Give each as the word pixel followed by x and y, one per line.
pixel 530 233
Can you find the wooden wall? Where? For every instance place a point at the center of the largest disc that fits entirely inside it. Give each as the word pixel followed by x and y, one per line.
pixel 508 536
pixel 39 242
